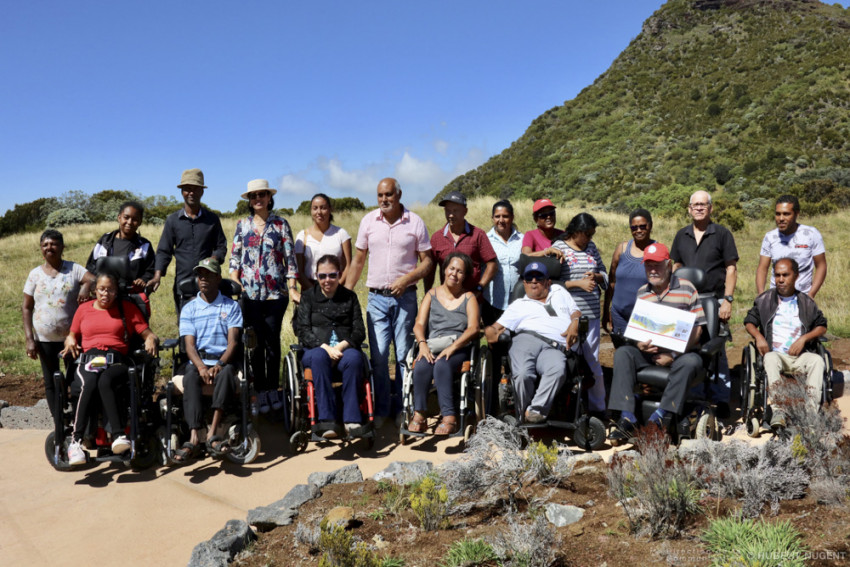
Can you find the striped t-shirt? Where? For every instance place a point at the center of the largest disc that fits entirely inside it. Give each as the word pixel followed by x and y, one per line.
pixel 680 294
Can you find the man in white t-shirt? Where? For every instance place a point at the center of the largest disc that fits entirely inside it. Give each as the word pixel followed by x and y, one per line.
pixel 546 325
pixel 786 324
pixel 789 239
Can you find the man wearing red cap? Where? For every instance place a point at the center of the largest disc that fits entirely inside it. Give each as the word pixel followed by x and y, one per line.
pixel 672 291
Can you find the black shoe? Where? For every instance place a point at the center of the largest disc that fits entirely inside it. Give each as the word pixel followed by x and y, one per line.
pixel 683 428
pixel 721 410
pixel 622 432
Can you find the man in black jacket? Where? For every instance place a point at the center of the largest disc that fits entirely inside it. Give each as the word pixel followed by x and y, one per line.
pixel 785 324
pixel 329 325
pixel 190 235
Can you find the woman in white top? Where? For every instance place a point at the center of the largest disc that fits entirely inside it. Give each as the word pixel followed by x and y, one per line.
pixel 319 239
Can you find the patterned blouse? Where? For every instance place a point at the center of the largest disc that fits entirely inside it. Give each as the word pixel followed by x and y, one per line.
pixel 264 259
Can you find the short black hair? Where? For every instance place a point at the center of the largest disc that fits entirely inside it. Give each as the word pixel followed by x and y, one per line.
pixel 467 263
pixel 795 202
pixel 503 204
pixel 52 234
pixel 135 204
pixel 329 259
pixel 641 213
pixel 795 267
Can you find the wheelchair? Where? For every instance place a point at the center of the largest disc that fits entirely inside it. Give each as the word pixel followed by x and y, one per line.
pixel 299 399
pixel 237 427
pixel 568 411
pixel 467 393
pixel 698 420
pixel 143 417
pixel 755 411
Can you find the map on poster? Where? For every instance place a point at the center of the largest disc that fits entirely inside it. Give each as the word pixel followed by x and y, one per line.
pixel 667 327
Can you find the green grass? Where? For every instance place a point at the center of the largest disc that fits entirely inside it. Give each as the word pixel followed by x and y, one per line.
pixel 20 253
pixel 758 543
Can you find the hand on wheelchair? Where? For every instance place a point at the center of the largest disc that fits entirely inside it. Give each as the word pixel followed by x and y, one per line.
pixel 152 345
pixel 762 346
pixel 71 349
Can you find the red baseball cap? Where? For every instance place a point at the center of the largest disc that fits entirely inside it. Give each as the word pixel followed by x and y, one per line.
pixel 542 204
pixel 656 253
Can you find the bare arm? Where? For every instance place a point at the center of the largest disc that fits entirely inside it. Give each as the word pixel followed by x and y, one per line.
pixel 609 291
pixel 761 274
pixel 490 271
pixel 428 280
pixel 356 268
pixel 27 310
pixel 761 342
pixel 346 260
pixel 493 332
pixel 820 274
pixel 419 329
pixel 725 311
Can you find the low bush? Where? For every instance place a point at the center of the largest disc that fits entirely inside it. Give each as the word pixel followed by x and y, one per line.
pixel 468 553
pixel 430 502
pixel 526 544
pixel 657 491
pixel 340 550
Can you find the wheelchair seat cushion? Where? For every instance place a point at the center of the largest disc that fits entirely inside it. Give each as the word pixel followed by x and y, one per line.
pixel 659 376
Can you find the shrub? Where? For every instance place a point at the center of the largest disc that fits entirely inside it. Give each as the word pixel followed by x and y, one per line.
pixel 722 173
pixel 339 204
pixel 340 550
pixel 469 552
pixel 430 503
pixel 27 216
pixel 657 492
pixel 548 464
pixel 531 544
pixel 737 541
pixel 65 217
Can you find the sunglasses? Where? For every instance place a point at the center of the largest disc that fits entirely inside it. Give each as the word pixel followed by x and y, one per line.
pixel 329 275
pixel 258 195
pixel 548 215
pixel 635 227
pixel 533 278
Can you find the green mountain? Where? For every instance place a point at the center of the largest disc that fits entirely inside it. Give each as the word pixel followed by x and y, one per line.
pixel 745 98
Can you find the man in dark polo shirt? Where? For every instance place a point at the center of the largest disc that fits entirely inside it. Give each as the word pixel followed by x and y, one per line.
pixel 460 236
pixel 711 248
pixel 190 235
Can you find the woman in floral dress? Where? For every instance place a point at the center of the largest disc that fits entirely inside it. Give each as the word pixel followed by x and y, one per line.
pixel 262 259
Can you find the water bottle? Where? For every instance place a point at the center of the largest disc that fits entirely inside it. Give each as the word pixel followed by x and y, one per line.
pixel 334 340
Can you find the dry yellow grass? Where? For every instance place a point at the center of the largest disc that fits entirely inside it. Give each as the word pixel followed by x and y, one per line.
pixel 20 253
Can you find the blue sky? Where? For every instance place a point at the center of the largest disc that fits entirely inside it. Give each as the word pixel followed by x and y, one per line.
pixel 314 96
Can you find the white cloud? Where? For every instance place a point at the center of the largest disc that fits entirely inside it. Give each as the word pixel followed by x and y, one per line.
pixel 296 185
pixel 441 146
pixel 473 158
pixel 421 173
pixel 358 180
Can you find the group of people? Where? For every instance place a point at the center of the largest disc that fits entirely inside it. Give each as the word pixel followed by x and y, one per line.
pixel 479 273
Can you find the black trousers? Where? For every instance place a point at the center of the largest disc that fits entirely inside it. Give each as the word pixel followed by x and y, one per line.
pixel 224 388
pixel 48 355
pixel 110 384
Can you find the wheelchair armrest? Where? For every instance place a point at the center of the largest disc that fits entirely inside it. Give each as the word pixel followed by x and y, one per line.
pixel 169 344
pixel 712 347
pixel 504 338
pixel 142 355
pixel 296 348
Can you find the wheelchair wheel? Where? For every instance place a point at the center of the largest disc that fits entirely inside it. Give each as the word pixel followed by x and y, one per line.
pixel 707 427
pixel 50 452
pixel 147 453
pixel 468 431
pixel 589 433
pixel 484 397
pixel 298 441
pixel 245 452
pixel 753 427
pixel 163 438
pixel 290 389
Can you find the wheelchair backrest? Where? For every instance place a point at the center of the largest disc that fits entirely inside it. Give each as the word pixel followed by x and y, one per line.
pixel 189 289
pixel 709 302
pixel 119 266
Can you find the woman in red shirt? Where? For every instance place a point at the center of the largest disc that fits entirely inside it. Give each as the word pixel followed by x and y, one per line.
pixel 103 328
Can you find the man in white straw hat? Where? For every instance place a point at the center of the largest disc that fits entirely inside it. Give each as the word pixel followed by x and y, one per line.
pixel 190 235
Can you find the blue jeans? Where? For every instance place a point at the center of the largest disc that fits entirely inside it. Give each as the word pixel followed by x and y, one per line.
pixel 390 321
pixel 350 367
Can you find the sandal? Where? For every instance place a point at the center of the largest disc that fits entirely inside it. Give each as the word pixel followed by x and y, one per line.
pixel 188 452
pixel 217 446
pixel 448 426
pixel 418 424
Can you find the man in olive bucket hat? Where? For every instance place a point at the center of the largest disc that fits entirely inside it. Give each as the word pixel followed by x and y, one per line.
pixel 190 235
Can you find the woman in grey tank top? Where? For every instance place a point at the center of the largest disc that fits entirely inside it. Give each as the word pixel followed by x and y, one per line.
pixel 445 325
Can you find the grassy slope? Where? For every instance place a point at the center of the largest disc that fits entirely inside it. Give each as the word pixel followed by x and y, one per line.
pixel 19 254
pixel 760 88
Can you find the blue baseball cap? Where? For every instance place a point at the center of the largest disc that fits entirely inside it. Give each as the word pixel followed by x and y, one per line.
pixel 536 267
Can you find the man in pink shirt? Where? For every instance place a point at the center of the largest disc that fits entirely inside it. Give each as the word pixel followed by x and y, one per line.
pixel 395 239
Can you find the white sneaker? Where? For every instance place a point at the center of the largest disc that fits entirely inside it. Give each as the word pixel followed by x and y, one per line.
pixel 76 454
pixel 120 445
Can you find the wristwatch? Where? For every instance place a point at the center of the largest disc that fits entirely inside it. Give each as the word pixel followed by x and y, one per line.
pixel 729 298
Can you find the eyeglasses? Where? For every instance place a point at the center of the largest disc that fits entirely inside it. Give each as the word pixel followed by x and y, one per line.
pixel 699 205
pixel 548 215
pixel 636 227
pixel 329 275
pixel 258 195
pixel 107 290
pixel 533 278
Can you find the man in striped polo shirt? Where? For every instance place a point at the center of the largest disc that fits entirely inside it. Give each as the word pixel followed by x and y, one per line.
pixel 672 291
